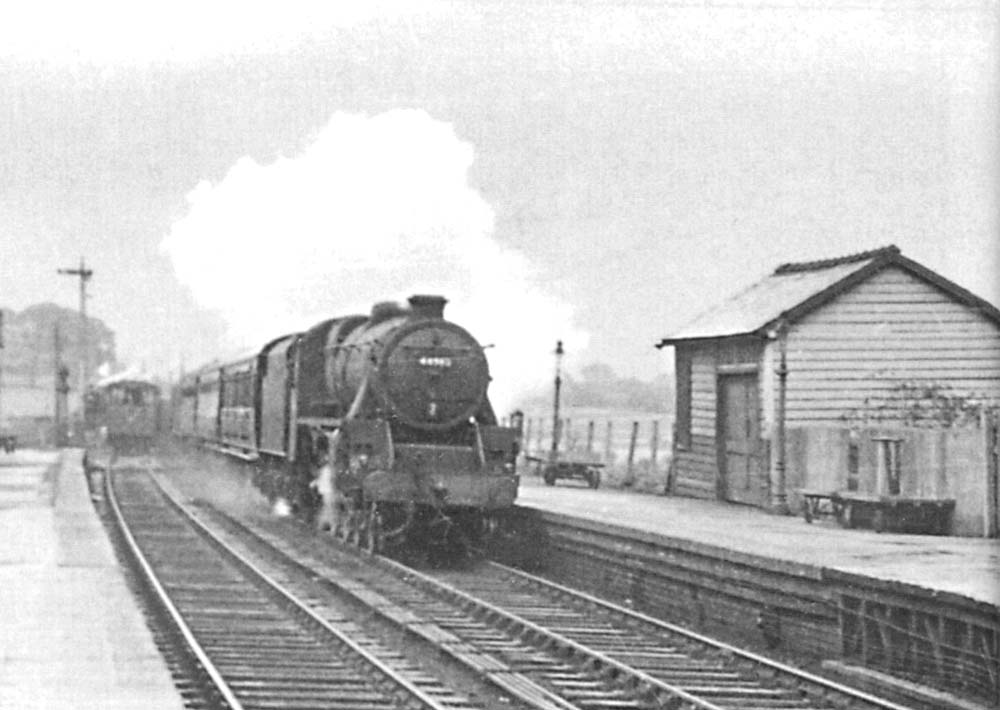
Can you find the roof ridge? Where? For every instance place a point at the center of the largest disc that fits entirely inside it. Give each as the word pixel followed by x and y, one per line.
pixel 792 267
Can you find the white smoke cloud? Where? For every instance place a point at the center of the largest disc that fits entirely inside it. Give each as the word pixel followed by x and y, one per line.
pixel 375 208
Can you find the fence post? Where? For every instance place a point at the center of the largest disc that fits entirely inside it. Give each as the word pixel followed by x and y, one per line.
pixel 629 472
pixel 590 436
pixel 654 444
pixel 607 443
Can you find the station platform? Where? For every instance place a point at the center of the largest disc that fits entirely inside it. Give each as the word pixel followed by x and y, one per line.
pixel 71 635
pixel 966 567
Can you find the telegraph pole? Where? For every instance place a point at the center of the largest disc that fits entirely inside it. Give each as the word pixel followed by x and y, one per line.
pixel 84 273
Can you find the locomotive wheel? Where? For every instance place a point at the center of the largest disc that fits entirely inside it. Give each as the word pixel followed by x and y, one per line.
pixel 339 525
pixel 372 534
pixel 342 521
pixel 354 527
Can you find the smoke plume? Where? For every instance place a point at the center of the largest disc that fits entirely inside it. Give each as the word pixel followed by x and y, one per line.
pixel 375 208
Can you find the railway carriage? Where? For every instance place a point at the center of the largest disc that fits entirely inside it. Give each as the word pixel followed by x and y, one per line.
pixel 377 425
pixel 124 411
pixel 206 405
pixel 237 415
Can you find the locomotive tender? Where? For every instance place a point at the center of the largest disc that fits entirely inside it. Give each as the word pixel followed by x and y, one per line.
pixel 378 425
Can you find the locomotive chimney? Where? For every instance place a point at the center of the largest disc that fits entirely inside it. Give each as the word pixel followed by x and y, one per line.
pixel 428 306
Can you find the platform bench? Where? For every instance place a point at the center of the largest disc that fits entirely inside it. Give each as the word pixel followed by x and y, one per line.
pixel 881 512
pixel 898 513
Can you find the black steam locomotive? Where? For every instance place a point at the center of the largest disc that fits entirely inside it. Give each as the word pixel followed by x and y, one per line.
pixel 377 425
pixel 123 412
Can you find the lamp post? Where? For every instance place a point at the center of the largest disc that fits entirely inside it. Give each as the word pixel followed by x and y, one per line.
pixel 555 406
pixel 780 496
pixel 84 273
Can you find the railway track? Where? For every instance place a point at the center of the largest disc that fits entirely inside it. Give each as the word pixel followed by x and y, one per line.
pixel 531 643
pixel 549 646
pixel 253 643
pixel 674 660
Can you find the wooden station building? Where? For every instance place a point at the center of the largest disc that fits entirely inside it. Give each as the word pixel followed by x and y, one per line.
pixel 868 372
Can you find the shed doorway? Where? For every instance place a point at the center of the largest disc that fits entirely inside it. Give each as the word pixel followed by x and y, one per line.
pixel 741 464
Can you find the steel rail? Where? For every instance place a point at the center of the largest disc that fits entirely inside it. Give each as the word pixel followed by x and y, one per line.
pixel 640 681
pixel 409 688
pixel 492 671
pixel 221 686
pixel 827 684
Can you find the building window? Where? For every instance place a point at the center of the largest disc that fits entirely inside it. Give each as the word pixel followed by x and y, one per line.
pixel 888 465
pixel 853 456
pixel 682 415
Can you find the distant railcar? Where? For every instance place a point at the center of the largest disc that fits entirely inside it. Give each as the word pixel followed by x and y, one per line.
pixel 380 422
pixel 125 412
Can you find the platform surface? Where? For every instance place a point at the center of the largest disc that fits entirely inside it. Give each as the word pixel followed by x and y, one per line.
pixel 969 567
pixel 71 634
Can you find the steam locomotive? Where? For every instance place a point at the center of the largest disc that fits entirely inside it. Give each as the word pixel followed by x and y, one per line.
pixel 377 426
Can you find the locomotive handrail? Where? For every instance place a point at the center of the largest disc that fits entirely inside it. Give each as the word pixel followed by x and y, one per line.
pixel 480 449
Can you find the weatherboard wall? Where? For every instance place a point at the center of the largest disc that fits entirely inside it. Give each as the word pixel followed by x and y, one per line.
pixel 845 359
pixel 696 463
pixel 851 355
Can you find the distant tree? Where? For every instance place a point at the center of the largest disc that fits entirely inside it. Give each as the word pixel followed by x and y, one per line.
pixel 29 338
pixel 598 372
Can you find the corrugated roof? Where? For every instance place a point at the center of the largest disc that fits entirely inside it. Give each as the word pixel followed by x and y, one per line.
pixel 766 301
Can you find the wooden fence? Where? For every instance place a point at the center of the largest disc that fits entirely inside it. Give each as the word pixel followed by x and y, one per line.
pixel 629 448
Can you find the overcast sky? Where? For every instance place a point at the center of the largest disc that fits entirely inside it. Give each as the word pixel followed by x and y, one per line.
pixel 596 171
